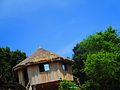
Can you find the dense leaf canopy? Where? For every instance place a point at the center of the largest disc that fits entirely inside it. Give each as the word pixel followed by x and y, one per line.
pixel 8 59
pixel 98 60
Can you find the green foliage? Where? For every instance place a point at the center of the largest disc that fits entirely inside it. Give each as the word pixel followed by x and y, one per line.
pixel 98 61
pixel 8 59
pixel 68 85
pixel 103 68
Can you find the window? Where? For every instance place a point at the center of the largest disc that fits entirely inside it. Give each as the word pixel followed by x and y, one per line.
pixel 64 67
pixel 44 67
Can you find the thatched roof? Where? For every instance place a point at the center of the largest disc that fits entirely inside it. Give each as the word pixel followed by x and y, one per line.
pixel 41 56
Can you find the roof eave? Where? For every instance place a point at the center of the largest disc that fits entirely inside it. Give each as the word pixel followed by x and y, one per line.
pixel 43 61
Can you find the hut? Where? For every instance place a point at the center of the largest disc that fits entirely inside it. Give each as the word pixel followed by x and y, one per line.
pixel 43 70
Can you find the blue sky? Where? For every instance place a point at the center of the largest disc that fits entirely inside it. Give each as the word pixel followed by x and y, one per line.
pixel 56 25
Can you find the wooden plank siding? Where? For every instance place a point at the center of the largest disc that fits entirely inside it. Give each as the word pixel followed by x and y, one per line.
pixel 21 77
pixel 67 75
pixel 55 73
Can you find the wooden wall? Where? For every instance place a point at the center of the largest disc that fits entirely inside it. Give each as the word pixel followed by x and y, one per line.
pixel 55 73
pixel 21 77
pixel 66 75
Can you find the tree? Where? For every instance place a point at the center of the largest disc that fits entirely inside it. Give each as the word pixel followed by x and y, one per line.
pixel 8 59
pixel 98 60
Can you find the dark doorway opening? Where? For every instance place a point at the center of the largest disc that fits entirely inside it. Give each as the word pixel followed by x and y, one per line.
pixel 25 76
